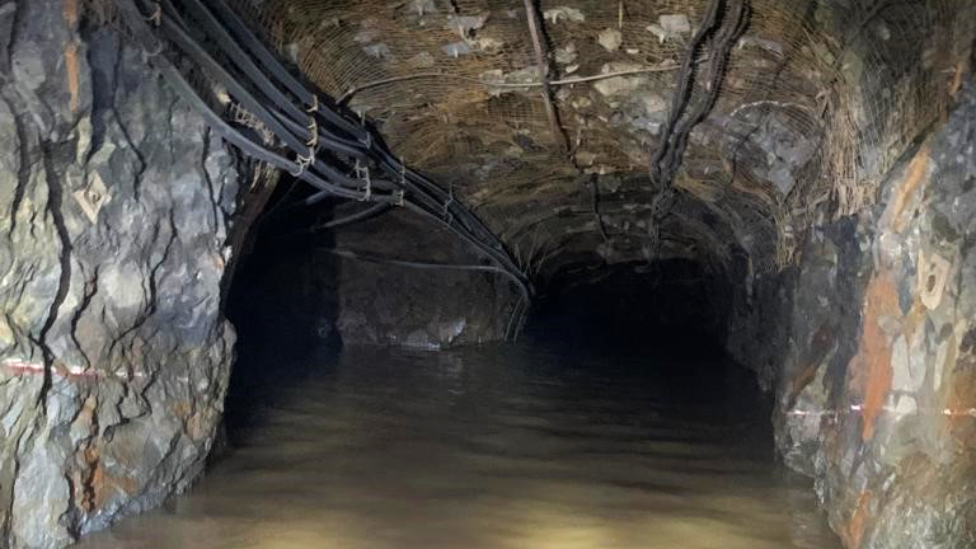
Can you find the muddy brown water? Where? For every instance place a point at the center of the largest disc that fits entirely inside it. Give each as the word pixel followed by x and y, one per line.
pixel 538 445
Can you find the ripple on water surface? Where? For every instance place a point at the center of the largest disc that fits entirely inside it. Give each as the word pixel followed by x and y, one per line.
pixel 496 447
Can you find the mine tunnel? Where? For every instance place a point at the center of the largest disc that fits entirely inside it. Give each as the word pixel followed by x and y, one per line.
pixel 293 274
pixel 617 400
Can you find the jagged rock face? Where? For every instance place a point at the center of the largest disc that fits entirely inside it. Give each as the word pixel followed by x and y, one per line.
pixel 877 392
pixel 417 308
pixel 114 358
pixel 311 294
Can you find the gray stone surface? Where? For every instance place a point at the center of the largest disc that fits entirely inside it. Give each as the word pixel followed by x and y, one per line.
pixel 876 392
pixel 417 308
pixel 301 291
pixel 114 358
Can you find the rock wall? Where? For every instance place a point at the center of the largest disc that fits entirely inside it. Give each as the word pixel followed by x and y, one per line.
pixel 314 294
pixel 114 358
pixel 876 390
pixel 419 308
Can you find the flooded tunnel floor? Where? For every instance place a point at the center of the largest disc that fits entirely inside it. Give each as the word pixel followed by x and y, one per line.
pixel 529 446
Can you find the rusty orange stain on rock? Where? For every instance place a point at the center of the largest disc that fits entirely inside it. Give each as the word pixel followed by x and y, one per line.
pixel 854 532
pixel 800 382
pixel 871 367
pixel 71 67
pixel 71 12
pixel 916 174
pixel 182 409
pixel 94 486
pixel 71 55
pixel 109 485
pixel 962 68
pixel 90 480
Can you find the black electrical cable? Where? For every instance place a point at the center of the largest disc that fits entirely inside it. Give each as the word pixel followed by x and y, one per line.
pixel 261 113
pixel 369 258
pixel 237 54
pixel 225 130
pixel 251 70
pixel 306 132
pixel 361 215
pixel 515 319
pixel 733 24
pixel 269 60
pixel 181 39
pixel 186 91
pixel 326 141
pixel 679 99
pixel 217 32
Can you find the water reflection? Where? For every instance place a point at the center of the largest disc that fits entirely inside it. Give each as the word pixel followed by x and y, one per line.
pixel 534 446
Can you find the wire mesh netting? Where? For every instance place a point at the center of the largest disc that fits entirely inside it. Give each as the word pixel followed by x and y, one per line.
pixel 818 101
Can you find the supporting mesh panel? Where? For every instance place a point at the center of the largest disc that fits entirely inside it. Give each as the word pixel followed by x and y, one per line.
pixel 819 100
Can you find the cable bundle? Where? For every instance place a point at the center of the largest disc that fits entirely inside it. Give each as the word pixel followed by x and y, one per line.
pixel 314 139
pixel 724 22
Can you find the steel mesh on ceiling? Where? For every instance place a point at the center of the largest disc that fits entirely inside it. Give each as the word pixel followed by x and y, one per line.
pixel 857 83
pixel 819 99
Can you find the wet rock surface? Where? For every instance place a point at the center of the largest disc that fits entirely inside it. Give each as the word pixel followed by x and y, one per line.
pixel 114 358
pixel 876 395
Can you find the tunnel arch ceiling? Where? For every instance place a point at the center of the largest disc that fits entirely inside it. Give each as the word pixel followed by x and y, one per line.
pixel 818 100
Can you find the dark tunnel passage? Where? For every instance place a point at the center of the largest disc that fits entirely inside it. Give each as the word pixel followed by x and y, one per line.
pixel 306 287
pixel 615 420
pixel 675 304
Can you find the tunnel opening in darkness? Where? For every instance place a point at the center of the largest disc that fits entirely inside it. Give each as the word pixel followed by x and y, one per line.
pixel 615 418
pixel 307 288
pixel 675 304
pixel 288 300
pixel 617 401
pixel 315 280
